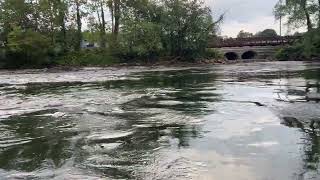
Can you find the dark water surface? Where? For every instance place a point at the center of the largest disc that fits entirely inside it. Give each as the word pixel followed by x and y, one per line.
pixel 256 121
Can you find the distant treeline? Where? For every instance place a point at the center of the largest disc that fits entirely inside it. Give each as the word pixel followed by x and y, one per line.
pixel 35 33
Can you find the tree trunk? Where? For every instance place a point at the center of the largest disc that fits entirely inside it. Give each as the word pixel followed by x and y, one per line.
pixel 116 17
pixel 62 23
pixel 51 16
pixel 319 14
pixel 64 34
pixel 79 26
pixel 103 27
pixel 308 19
pixel 111 8
pixel 37 15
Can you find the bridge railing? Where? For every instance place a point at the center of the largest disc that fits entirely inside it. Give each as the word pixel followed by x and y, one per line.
pixel 253 41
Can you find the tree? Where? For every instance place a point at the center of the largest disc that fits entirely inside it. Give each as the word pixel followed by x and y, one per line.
pixel 79 25
pixel 26 48
pixel 318 13
pixel 267 33
pixel 141 39
pixel 97 10
pixel 14 13
pixel 62 7
pixel 298 12
pixel 243 34
pixel 103 25
pixel 115 12
pixel 186 26
pixel 77 6
pixel 144 28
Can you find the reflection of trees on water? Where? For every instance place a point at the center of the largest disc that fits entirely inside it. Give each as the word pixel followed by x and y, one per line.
pixel 154 122
pixel 310 91
pixel 47 143
pixel 188 88
pixel 311 167
pixel 309 126
pixel 160 122
pixel 313 85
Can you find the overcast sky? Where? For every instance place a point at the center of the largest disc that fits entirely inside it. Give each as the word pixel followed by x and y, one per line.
pixel 248 15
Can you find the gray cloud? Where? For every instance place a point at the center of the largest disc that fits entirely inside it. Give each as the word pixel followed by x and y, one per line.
pixel 250 15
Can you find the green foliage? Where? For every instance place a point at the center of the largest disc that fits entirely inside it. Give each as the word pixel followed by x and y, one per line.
pixel 213 54
pixel 35 33
pixel 307 48
pixel 141 39
pixel 92 37
pixel 298 13
pixel 290 53
pixel 173 27
pixel 311 44
pixel 186 27
pixel 26 48
pixel 94 57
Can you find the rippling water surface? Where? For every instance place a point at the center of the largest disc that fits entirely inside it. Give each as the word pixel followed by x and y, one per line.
pixel 256 121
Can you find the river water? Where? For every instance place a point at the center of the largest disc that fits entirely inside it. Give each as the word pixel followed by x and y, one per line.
pixel 254 121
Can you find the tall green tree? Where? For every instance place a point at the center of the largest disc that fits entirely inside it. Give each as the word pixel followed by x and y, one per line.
pixel 298 12
pixel 115 12
pixel 186 25
pixel 97 19
pixel 318 13
pixel 14 13
pixel 78 8
pixel 62 7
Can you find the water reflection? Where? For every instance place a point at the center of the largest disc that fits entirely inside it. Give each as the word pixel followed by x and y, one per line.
pixel 304 98
pixel 312 156
pixel 198 123
pixel 114 138
pixel 29 142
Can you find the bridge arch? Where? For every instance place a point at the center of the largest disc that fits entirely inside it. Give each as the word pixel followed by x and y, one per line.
pixel 249 55
pixel 231 56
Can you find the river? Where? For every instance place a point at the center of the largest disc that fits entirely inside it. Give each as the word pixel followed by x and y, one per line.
pixel 248 121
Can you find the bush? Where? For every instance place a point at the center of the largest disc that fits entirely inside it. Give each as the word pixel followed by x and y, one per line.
pixel 140 40
pixel 213 54
pixel 26 48
pixel 186 27
pixel 90 57
pixel 306 48
pixel 290 53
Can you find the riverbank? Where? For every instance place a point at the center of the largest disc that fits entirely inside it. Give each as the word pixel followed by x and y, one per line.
pixel 163 61
pixel 167 63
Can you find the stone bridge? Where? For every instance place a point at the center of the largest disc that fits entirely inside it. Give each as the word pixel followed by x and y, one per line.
pixel 249 52
pixel 251 48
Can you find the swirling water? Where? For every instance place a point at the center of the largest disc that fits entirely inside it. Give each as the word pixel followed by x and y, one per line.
pixel 244 121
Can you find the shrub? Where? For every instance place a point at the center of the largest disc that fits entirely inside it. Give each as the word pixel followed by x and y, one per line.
pixel 186 27
pixel 26 48
pixel 290 53
pixel 213 54
pixel 141 40
pixel 306 48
